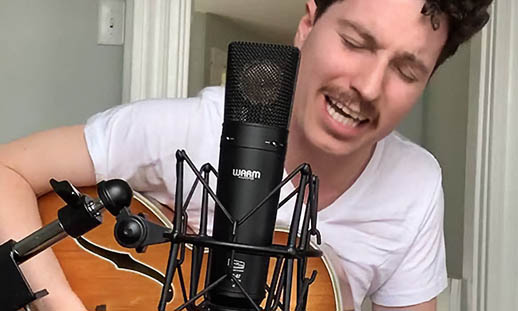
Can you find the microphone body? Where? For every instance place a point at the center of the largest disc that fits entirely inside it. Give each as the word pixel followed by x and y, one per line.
pixel 258 98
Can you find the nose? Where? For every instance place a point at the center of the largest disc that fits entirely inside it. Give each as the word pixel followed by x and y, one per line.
pixel 368 81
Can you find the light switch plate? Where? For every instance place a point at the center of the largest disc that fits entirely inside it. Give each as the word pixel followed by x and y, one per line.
pixel 110 30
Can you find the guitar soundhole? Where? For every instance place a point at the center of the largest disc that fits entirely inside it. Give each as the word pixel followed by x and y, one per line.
pixel 100 308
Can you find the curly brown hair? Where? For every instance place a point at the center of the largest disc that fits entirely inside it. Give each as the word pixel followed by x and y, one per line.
pixel 465 18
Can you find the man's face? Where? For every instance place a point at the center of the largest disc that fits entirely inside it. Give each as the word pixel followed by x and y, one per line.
pixel 364 64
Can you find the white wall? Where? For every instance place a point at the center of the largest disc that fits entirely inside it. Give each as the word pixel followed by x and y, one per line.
pixel 52 70
pixel 412 125
pixel 445 131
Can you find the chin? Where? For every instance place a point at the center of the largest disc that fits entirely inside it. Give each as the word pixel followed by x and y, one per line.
pixel 333 147
pixel 339 151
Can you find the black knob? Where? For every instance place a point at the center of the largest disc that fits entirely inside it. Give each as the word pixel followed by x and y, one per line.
pixel 115 194
pixel 129 232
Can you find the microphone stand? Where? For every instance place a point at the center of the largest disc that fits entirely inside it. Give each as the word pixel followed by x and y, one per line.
pixel 134 231
pixel 80 215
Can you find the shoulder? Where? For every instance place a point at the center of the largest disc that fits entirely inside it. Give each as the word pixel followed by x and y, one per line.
pixel 150 115
pixel 399 147
pixel 409 162
pixel 210 99
pixel 410 176
pixel 152 130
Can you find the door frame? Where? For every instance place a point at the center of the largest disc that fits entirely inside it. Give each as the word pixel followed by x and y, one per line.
pixel 156 51
pixel 490 268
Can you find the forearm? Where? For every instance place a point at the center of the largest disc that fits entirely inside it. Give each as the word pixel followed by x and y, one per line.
pixel 20 217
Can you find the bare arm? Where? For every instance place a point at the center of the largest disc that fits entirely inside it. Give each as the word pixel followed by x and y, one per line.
pixel 425 306
pixel 26 165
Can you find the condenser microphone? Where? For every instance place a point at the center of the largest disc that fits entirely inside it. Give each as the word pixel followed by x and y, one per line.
pixel 258 99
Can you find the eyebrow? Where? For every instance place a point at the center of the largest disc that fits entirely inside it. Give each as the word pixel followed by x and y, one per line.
pixel 372 44
pixel 370 41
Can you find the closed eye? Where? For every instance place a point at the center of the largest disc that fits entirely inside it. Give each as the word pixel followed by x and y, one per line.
pixel 350 43
pixel 407 74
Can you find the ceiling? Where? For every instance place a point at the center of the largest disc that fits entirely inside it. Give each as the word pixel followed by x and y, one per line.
pixel 274 18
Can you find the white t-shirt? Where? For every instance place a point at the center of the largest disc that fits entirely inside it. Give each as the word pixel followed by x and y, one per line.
pixel 386 230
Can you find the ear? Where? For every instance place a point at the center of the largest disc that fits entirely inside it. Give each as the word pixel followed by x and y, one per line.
pixel 305 24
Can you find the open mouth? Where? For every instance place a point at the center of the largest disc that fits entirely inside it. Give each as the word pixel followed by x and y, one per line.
pixel 343 114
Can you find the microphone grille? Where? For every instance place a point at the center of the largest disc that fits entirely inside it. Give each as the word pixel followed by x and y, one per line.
pixel 260 83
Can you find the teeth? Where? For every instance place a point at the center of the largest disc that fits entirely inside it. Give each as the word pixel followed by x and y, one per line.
pixel 347 109
pixel 340 117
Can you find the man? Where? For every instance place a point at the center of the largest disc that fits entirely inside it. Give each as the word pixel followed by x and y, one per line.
pixel 364 64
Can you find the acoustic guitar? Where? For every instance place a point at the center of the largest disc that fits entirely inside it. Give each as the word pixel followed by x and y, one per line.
pixel 104 287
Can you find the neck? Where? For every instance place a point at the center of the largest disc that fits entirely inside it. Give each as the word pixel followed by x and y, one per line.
pixel 336 173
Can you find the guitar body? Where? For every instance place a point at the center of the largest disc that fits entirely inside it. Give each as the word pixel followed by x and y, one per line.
pixel 102 286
